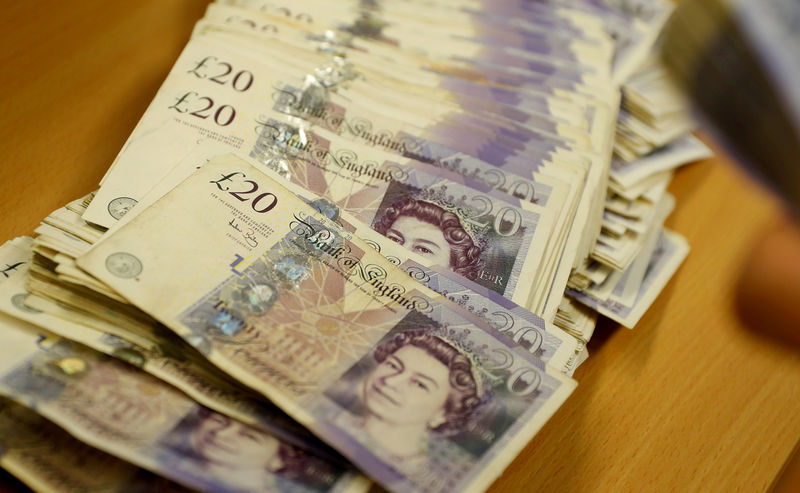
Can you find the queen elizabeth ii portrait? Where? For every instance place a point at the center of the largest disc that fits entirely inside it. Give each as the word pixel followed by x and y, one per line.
pixel 248 459
pixel 422 385
pixel 433 232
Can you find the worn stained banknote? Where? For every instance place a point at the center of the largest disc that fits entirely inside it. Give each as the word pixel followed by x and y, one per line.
pixel 420 394
pixel 47 458
pixel 196 97
pixel 191 101
pixel 123 411
pixel 548 342
pixel 670 251
pixel 114 407
pixel 169 359
pixel 484 236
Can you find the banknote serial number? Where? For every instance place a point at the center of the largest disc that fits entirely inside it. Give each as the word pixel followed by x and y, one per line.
pixel 259 202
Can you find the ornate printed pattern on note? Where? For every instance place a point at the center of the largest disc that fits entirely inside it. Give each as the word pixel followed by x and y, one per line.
pixel 287 317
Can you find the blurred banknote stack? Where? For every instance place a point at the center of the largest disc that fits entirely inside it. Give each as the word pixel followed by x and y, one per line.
pixel 634 256
pixel 740 62
pixel 347 242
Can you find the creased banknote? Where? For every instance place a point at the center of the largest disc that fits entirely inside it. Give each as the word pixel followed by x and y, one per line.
pixel 116 408
pixel 548 342
pixel 415 391
pixel 670 251
pixel 170 360
pixel 47 458
pixel 195 99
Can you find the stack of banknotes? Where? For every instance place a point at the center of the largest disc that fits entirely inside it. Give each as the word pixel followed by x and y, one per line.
pixel 653 139
pixel 336 249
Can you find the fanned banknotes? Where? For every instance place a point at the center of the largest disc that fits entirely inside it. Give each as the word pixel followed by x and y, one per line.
pixel 127 413
pixel 548 342
pixel 417 392
pixel 387 226
pixel 47 458
pixel 164 358
pixel 670 250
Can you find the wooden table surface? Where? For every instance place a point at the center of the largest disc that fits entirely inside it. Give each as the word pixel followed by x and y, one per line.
pixel 688 401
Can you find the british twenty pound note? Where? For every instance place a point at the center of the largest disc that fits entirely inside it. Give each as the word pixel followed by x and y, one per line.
pixel 47 458
pixel 551 344
pixel 468 228
pixel 127 413
pixel 421 395
pixel 195 103
pixel 170 360
pixel 116 408
pixel 546 341
pixel 670 251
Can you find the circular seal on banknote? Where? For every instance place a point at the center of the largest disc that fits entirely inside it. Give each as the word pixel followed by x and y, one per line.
pixel 124 265
pixel 18 300
pixel 120 206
